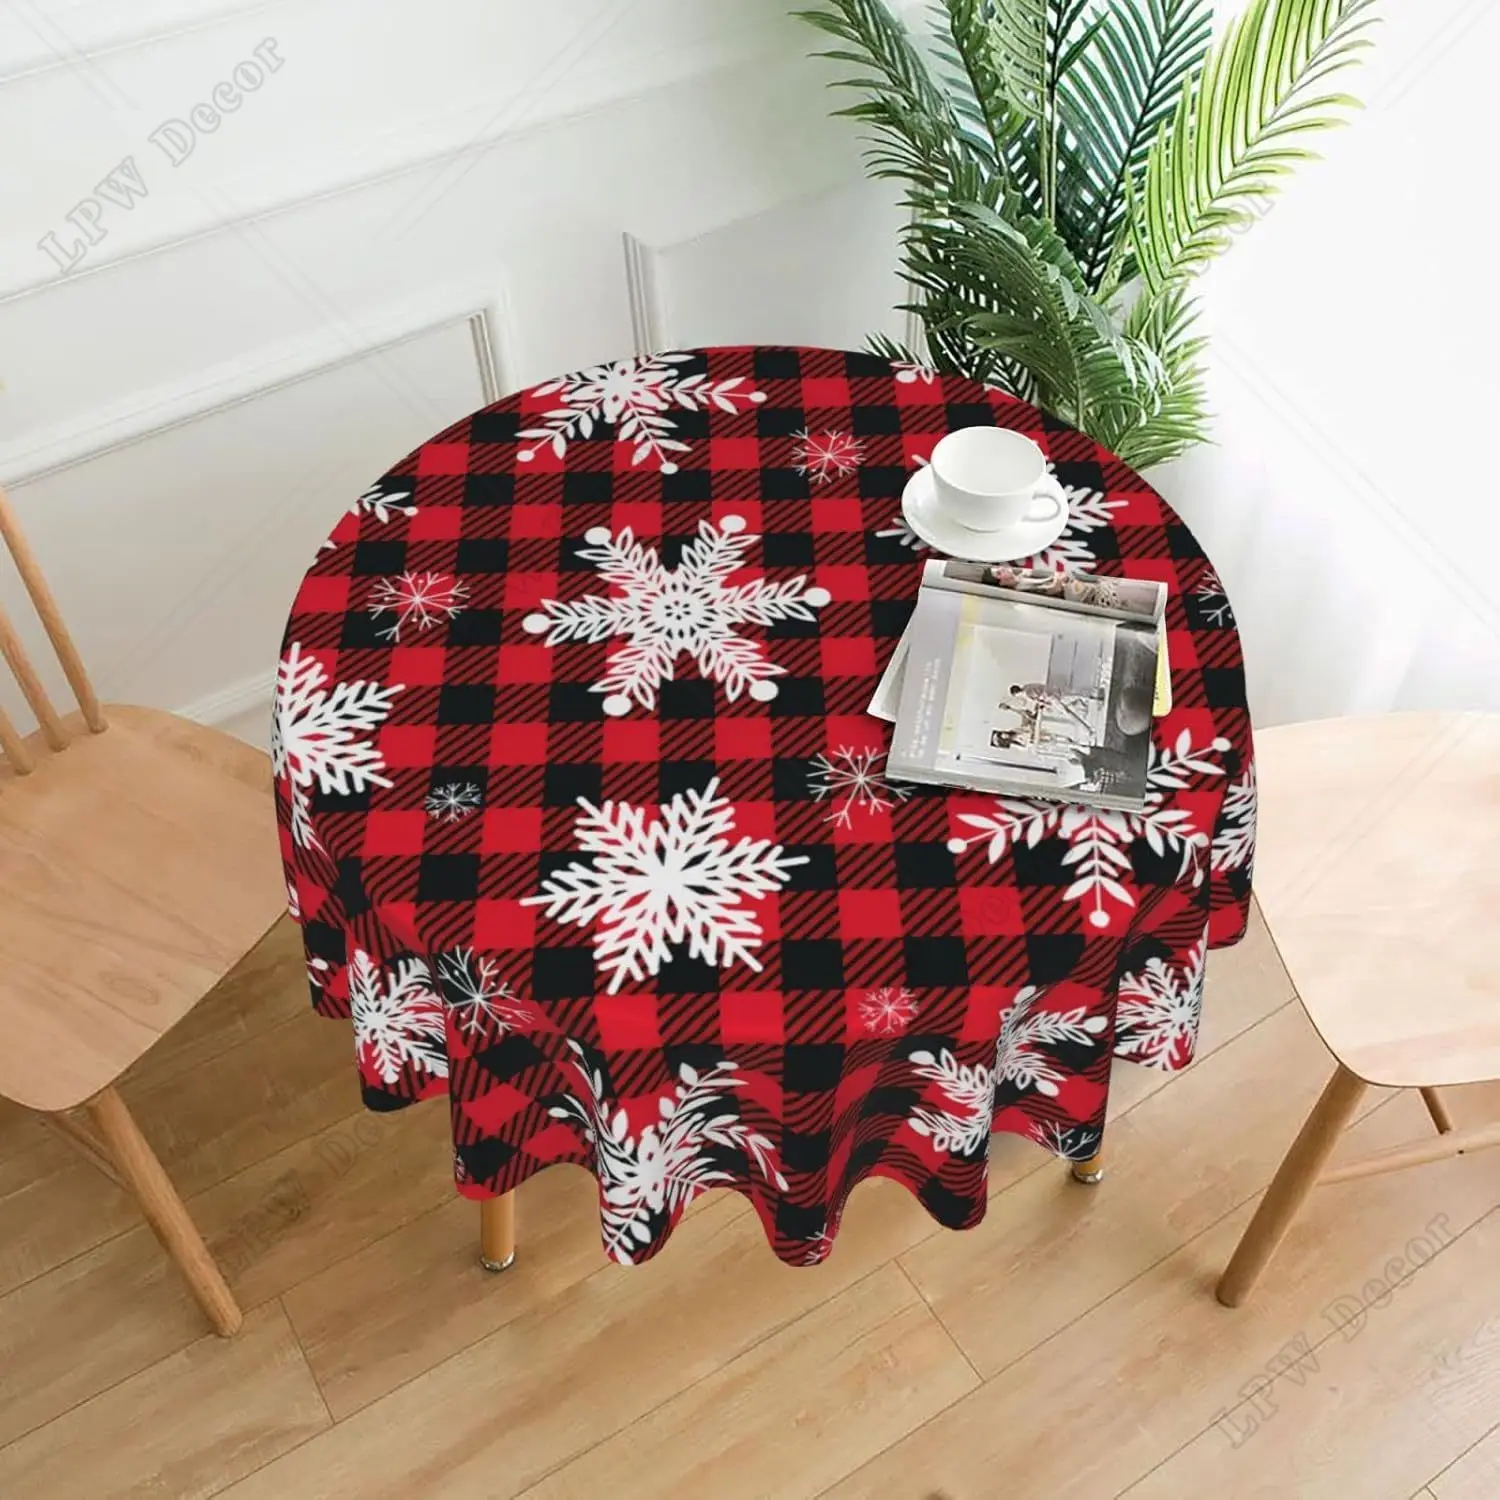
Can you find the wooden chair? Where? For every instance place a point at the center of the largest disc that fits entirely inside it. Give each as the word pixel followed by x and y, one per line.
pixel 1376 868
pixel 138 864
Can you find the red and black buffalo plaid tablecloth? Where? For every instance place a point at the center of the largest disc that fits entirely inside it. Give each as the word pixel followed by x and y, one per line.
pixel 587 827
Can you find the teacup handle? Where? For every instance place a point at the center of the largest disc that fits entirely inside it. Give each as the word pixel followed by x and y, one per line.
pixel 1049 495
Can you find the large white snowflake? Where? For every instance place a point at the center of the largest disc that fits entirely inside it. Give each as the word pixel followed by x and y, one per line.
pixel 398 1018
pixel 656 885
pixel 660 1170
pixel 853 782
pixel 637 397
pixel 888 1011
pixel 1025 1030
pixel 1088 510
pixel 318 735
pixel 662 613
pixel 420 600
pixel 1234 843
pixel 453 801
pixel 822 457
pixel 1072 1142
pixel 479 1001
pixel 1099 839
pixel 1159 1009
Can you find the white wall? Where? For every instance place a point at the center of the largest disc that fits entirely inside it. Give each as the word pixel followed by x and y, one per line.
pixel 424 206
pixel 1352 504
pixel 417 209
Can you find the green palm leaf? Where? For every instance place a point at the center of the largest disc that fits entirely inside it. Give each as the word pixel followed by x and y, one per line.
pixel 1234 136
pixel 1120 90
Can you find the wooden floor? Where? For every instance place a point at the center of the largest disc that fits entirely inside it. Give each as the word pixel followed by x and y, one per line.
pixel 1068 1347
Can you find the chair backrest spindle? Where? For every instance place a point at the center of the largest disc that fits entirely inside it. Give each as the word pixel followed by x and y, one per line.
pixel 14 747
pixel 20 663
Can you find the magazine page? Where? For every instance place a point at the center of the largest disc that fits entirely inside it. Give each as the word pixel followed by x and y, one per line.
pixel 1025 700
pixel 1139 599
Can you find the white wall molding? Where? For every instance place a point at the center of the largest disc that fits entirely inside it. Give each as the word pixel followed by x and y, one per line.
pixel 244 699
pixel 647 319
pixel 352 176
pixel 100 432
pixel 35 39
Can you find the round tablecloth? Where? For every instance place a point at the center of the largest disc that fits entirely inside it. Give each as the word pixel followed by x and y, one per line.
pixel 587 827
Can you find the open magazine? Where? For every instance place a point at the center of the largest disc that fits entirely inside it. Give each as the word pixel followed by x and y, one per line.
pixel 1027 685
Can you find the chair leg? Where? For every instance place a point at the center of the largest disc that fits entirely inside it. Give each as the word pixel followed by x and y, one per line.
pixel 497 1232
pixel 1294 1179
pixel 1090 1172
pixel 1438 1110
pixel 164 1210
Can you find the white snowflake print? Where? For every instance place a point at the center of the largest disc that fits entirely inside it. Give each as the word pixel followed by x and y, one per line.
pixel 825 456
pixel 453 801
pixel 398 1018
pixel 1071 1142
pixel 420 600
pixel 477 999
pixel 1159 1010
pixel 1099 839
pixel 853 781
pixel 908 373
pixel 899 531
pixel 964 1126
pixel 293 900
pixel 663 613
pixel 1210 593
pixel 662 1169
pixel 819 1247
pixel 656 885
pixel 317 972
pixel 636 397
pixel 318 736
pixel 888 1011
pixel 1234 843
pixel 382 504
pixel 1024 1030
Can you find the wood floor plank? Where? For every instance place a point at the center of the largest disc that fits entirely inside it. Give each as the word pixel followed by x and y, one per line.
pixel 108 1314
pixel 216 1410
pixel 564 1375
pixel 791 1415
pixel 1310 1441
pixel 417 1296
pixel 266 988
pixel 1049 1249
pixel 1475 1474
pixel 1104 1400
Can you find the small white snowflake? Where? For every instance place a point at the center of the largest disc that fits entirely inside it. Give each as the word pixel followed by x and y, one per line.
pixel 398 1019
pixel 637 397
pixel 853 780
pixel 888 1011
pixel 908 373
pixel 453 801
pixel 317 972
pixel 383 504
pixel 663 613
pixel 1071 1142
pixel 964 1126
pixel 421 600
pixel 1024 1030
pixel 818 1248
pixel 1099 839
pixel 477 999
pixel 1210 592
pixel 656 885
pixel 317 736
pixel 1159 1010
pixel 825 456
pixel 899 531
pixel 654 1174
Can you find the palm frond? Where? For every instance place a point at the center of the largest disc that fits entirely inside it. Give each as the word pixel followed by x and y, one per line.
pixel 1234 136
pixel 1127 73
pixel 1018 41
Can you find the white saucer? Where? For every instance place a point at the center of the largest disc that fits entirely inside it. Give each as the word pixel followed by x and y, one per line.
pixel 919 504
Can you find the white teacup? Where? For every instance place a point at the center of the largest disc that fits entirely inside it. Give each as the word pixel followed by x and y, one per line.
pixel 987 478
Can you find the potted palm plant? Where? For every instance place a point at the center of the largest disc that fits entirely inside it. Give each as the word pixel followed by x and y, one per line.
pixel 1070 166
